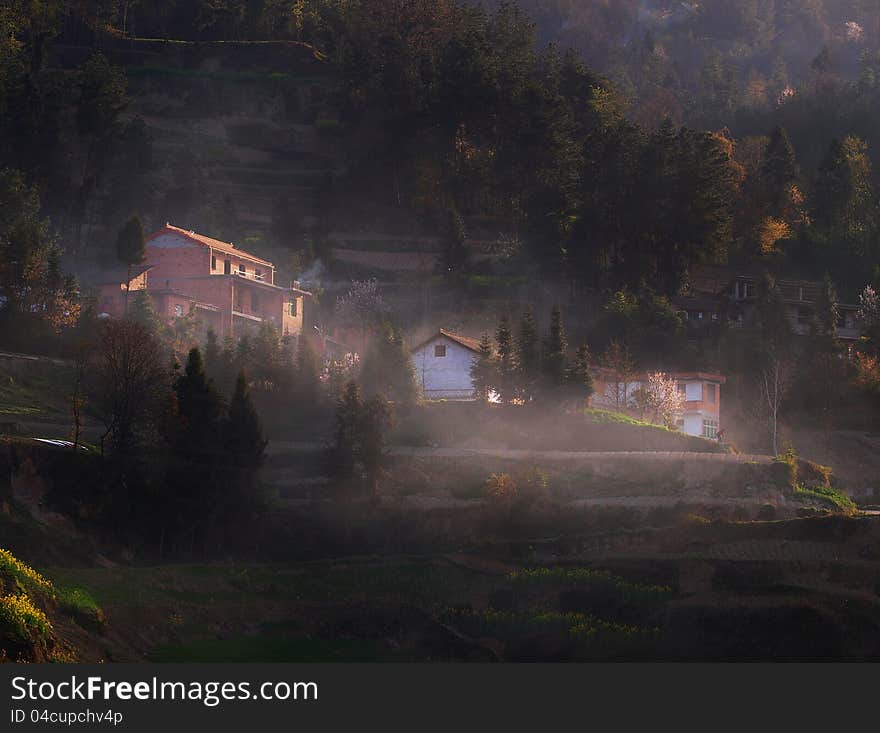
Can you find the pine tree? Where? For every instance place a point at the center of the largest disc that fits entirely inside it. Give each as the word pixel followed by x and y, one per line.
pixel 199 406
pixel 528 357
pixel 375 421
pixel 554 358
pixel 505 382
pixel 195 473
pixel 779 172
pixel 388 369
pixel 131 249
pixel 243 434
pixel 579 379
pixel 341 458
pixel 142 311
pixel 484 370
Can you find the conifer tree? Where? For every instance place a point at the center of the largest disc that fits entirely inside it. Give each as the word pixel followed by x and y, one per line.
pixel 779 171
pixel 376 420
pixel 579 379
pixel 243 433
pixel 484 370
pixel 388 369
pixel 554 358
pixel 342 455
pixel 505 382
pixel 141 311
pixel 528 357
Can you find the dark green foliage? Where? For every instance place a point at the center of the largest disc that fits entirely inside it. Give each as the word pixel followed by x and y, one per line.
pixel 779 171
pixel 388 369
pixel 342 456
pixel 141 310
pixel 361 433
pixel 528 357
pixel 483 369
pixel 242 434
pixel 554 361
pixel 579 378
pixel 37 300
pixel 505 362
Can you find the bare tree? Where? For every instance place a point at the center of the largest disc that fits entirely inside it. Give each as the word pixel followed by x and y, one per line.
pixel 774 381
pixel 129 379
pixel 77 397
pixel 620 364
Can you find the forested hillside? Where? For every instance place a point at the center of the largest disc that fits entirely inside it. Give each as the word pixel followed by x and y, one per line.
pixel 411 116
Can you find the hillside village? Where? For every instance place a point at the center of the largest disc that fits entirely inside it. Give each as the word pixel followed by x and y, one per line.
pixel 384 331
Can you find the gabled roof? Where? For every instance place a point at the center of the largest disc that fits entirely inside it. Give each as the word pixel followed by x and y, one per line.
pixel 215 244
pixel 468 343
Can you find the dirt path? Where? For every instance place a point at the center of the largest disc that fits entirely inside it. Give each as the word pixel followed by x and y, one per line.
pixel 277 448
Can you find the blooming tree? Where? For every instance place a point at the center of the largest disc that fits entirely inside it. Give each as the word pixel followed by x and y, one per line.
pixel 663 399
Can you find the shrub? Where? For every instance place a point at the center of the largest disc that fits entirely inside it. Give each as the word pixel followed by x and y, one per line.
pixel 22 618
pixel 81 605
pixel 26 576
pixel 500 488
pixel 827 496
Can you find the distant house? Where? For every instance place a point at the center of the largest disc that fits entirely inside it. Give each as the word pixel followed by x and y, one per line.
pixel 443 366
pixel 719 294
pixel 228 289
pixel 701 390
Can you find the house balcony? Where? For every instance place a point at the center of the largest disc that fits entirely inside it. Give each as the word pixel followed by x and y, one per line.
pixel 247 316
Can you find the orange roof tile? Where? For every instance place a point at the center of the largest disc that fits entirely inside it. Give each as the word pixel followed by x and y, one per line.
pixel 225 247
pixel 468 343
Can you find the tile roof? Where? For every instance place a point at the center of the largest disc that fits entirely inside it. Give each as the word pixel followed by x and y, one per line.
pixel 216 244
pixel 468 343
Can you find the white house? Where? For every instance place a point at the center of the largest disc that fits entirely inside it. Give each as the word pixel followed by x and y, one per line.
pixel 443 365
pixel 701 415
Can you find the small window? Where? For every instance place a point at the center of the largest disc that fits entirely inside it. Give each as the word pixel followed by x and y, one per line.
pixel 682 389
pixel 241 270
pixel 258 274
pixel 440 351
pixel 213 262
pixel 227 267
pixel 291 308
pixel 710 429
pixel 255 303
pixel 178 310
pixel 711 393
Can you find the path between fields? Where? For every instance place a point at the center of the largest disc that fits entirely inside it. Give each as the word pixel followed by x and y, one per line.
pixel 277 448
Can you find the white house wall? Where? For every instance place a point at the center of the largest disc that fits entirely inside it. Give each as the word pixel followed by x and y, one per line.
pixel 693 424
pixel 445 377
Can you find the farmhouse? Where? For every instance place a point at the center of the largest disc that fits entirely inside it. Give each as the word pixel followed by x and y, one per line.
pixel 443 365
pixel 226 288
pixel 701 391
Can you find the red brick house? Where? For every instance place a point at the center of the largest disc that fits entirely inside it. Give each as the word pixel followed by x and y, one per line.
pixel 228 289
